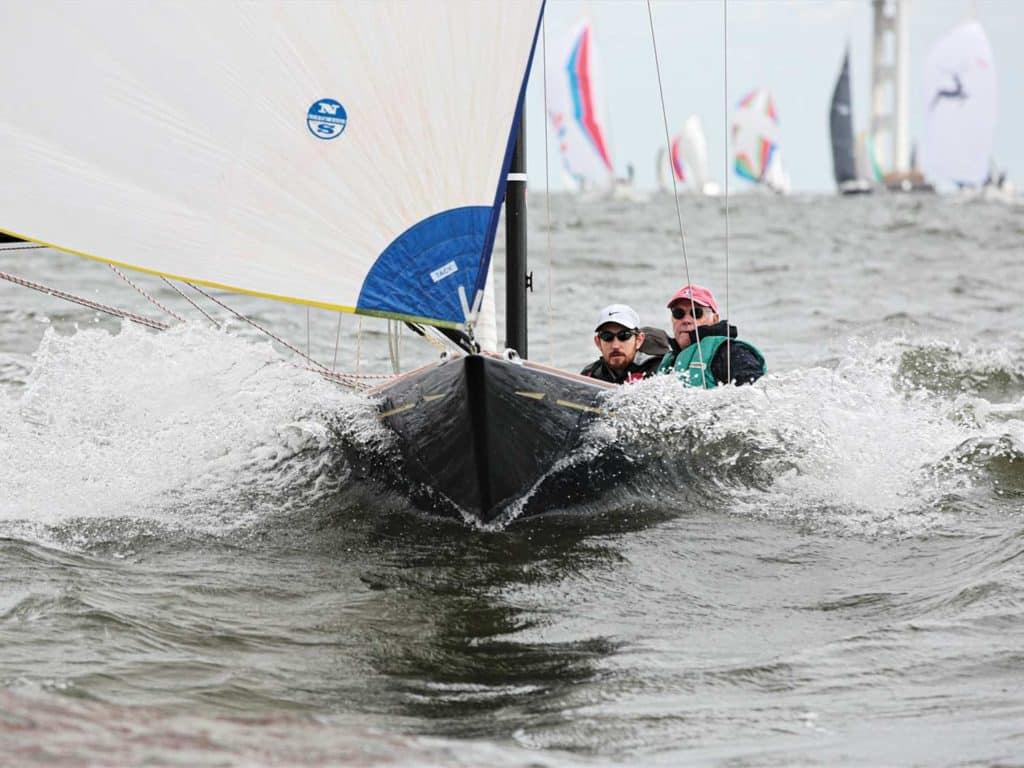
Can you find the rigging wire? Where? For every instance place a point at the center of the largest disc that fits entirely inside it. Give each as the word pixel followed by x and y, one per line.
pixel 394 335
pixel 151 299
pixel 138 319
pixel 675 183
pixel 188 298
pixel 359 344
pixel 337 341
pixel 725 106
pixel 320 366
pixel 547 194
pixel 354 381
pixel 21 248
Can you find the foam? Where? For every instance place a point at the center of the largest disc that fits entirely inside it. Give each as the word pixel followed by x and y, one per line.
pixel 173 427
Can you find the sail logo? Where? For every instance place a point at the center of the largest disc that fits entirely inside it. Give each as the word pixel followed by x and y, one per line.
pixel 442 272
pixel 326 119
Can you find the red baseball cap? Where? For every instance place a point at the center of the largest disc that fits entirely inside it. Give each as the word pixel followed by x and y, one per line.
pixel 697 294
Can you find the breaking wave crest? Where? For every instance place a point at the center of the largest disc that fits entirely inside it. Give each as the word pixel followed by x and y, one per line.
pixel 872 445
pixel 204 432
pixel 189 428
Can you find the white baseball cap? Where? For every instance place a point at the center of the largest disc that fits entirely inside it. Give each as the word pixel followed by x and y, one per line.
pixel 618 313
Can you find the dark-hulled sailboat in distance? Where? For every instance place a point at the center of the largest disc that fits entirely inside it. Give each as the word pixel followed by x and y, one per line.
pixel 844 150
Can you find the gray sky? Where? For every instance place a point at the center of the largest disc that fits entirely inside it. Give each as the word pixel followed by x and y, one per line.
pixel 792 47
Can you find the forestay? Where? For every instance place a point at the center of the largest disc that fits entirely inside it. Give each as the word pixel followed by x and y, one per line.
pixel 343 155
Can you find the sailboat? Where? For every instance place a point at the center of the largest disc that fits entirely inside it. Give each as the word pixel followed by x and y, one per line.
pixel 277 149
pixel 960 107
pixel 844 151
pixel 687 160
pixel 576 109
pixel 755 130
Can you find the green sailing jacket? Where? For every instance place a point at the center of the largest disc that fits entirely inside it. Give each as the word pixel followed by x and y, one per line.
pixel 687 362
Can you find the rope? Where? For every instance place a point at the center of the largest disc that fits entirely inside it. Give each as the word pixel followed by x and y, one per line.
pixel 350 380
pixel 20 248
pixel 394 331
pixel 151 300
pixel 257 326
pixel 434 337
pixel 359 344
pixel 354 381
pixel 189 300
pixel 725 105
pixel 675 184
pixel 139 319
pixel 547 196
pixel 337 341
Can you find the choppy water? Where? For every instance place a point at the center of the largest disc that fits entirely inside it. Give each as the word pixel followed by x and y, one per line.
pixel 825 568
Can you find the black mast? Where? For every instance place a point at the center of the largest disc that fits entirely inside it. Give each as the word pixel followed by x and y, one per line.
pixel 517 280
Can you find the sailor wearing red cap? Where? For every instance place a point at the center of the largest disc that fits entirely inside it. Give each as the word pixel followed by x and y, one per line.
pixel 704 344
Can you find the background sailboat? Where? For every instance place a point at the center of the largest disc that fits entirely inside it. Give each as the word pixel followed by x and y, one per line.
pixel 755 131
pixel 577 112
pixel 670 165
pixel 960 107
pixel 844 154
pixel 687 160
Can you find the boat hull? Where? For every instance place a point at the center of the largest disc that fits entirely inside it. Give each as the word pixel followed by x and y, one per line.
pixel 481 432
pixel 855 187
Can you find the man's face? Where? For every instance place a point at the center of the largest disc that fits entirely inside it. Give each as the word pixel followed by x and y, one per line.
pixel 618 352
pixel 686 316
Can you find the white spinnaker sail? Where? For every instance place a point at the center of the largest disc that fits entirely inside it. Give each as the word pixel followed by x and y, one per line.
pixel 694 148
pixel 576 110
pixel 194 139
pixel 960 112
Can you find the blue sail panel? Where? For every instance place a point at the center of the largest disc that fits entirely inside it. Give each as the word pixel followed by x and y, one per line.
pixel 419 274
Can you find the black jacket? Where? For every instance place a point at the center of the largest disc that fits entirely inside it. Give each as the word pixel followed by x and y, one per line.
pixel 736 359
pixel 633 372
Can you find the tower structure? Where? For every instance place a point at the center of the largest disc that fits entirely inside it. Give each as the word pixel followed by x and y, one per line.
pixel 890 65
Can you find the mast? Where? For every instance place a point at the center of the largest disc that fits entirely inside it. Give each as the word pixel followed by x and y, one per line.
pixel 517 281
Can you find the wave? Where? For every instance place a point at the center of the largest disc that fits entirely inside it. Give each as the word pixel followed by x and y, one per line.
pixel 190 429
pixel 861 446
pixel 120 437
pixel 994 374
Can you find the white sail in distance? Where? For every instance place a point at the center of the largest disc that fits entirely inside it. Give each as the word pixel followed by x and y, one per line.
pixel 687 160
pixel 960 107
pixel 694 148
pixel 346 155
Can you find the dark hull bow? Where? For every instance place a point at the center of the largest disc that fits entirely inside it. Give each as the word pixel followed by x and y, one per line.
pixel 482 431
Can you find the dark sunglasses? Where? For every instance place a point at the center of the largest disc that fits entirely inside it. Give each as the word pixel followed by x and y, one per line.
pixel 680 312
pixel 621 335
